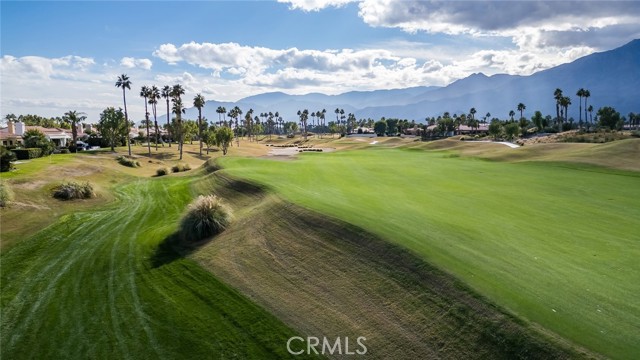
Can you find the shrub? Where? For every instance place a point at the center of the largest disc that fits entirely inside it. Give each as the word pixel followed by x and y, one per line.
pixel 65 151
pixel 127 161
pixel 29 153
pixel 180 167
pixel 206 216
pixel 162 171
pixel 635 133
pixel 6 159
pixel 6 195
pixel 73 190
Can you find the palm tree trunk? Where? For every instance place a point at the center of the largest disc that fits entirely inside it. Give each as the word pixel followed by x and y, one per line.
pixel 168 124
pixel 126 118
pixel 200 129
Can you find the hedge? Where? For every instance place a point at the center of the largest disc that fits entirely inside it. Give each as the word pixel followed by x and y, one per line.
pixel 29 153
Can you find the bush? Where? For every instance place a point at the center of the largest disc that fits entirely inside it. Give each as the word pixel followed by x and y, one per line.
pixel 29 153
pixel 6 159
pixel 73 190
pixel 127 161
pixel 65 151
pixel 180 167
pixel 162 171
pixel 6 195
pixel 635 133
pixel 206 216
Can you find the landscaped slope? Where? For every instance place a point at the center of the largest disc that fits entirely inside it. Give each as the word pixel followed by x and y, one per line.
pixel 554 244
pixel 95 285
pixel 324 277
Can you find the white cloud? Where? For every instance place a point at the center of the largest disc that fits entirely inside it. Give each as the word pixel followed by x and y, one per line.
pixel 130 63
pixel 528 23
pixel 41 67
pixel 315 5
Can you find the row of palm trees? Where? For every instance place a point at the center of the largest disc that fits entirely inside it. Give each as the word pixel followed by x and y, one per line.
pixel 152 96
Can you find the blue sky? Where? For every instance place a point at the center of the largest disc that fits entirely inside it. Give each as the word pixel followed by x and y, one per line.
pixel 59 56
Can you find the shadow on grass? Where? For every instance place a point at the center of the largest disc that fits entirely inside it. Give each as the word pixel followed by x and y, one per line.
pixel 175 247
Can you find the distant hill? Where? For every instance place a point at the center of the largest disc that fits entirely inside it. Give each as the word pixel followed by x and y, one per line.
pixel 612 77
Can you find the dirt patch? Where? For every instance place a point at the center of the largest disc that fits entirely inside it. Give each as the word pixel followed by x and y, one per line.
pixel 78 171
pixel 29 205
pixel 29 185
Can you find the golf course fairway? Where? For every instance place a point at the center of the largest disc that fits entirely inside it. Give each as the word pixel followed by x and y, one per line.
pixel 95 285
pixel 554 243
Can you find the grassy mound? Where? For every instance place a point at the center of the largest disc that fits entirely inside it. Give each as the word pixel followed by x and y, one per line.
pixel 73 190
pixel 180 167
pixel 6 194
pixel 163 171
pixel 127 161
pixel 206 216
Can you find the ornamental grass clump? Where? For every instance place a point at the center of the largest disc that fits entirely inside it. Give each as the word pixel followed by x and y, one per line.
pixel 6 194
pixel 180 167
pixel 73 190
pixel 163 171
pixel 128 162
pixel 206 216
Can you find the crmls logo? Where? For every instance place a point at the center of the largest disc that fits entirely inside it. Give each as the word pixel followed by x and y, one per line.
pixel 298 346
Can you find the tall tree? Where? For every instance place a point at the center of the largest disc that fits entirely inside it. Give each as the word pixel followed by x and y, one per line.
pixel 145 92
pixel 154 96
pixel 166 93
pixel 73 118
pixel 113 126
pixel 586 94
pixel 580 94
pixel 511 114
pixel 590 113
pixel 124 83
pixel 521 108
pixel 557 95
pixel 198 102
pixel 304 115
pixel 176 93
pixel 221 111
pixel 473 111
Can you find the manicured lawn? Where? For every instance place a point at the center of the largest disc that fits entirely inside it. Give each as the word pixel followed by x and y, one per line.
pixel 556 244
pixel 95 285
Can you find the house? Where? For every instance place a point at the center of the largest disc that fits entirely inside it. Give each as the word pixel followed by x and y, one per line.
pixel 12 134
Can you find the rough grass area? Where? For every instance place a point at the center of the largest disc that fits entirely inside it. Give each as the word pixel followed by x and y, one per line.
pixel 73 191
pixel 6 194
pixel 554 243
pixel 123 160
pixel 323 276
pixel 180 167
pixel 206 216
pixel 93 285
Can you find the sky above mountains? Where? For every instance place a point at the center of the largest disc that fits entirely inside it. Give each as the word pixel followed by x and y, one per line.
pixel 59 56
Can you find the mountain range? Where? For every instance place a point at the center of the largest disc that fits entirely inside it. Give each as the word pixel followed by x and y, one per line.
pixel 612 78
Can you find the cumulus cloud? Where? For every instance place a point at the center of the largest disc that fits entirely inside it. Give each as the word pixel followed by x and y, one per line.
pixel 315 5
pixel 130 63
pixel 528 23
pixel 41 67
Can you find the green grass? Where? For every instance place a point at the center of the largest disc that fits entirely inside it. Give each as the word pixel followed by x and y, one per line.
pixel 97 285
pixel 555 244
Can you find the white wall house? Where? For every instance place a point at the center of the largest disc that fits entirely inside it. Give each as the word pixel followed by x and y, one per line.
pixel 12 134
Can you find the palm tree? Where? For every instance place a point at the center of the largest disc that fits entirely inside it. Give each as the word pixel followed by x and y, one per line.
pixel 304 115
pixel 220 110
pixel 166 93
pixel 511 114
pixel 176 92
pixel 124 83
pixel 487 116
pixel 73 118
pixel 565 101
pixel 590 113
pixel 145 92
pixel 198 102
pixel 472 111
pixel 580 94
pixel 178 109
pixel 521 108
pixel 322 117
pixel 154 96
pixel 586 94
pixel 557 95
